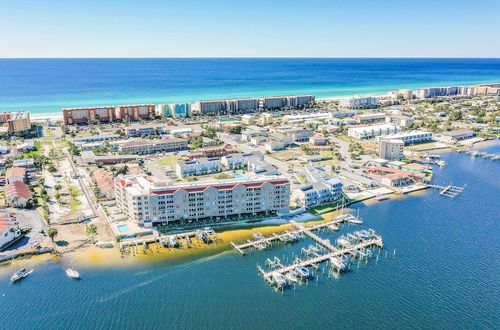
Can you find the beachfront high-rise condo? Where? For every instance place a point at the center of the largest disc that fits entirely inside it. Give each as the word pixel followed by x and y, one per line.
pixel 292 101
pixel 14 121
pixel 135 112
pixel 178 110
pixel 88 115
pixel 154 202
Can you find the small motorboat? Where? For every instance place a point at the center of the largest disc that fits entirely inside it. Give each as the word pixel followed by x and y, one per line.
pixel 382 197
pixel 72 273
pixel 20 274
pixel 302 271
pixel 339 264
pixel 278 280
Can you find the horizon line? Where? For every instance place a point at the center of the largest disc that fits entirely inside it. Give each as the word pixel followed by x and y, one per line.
pixel 248 57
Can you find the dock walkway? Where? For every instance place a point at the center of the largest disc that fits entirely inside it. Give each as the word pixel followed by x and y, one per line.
pixel 448 191
pixel 336 252
pixel 293 235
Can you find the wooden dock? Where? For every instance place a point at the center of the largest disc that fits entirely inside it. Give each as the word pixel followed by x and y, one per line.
pixel 262 243
pixel 479 154
pixel 448 191
pixel 174 240
pixel 320 258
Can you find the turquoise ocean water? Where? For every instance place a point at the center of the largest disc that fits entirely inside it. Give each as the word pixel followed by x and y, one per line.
pixel 444 276
pixel 47 85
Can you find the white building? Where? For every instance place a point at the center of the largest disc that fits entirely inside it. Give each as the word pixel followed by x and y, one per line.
pixel 390 148
pixel 411 137
pixel 150 203
pixel 359 102
pixel 369 118
pixel 9 232
pixel 322 188
pixel 370 132
pixel 457 135
pixel 198 166
pixel 251 131
pixel 400 120
pixel 298 134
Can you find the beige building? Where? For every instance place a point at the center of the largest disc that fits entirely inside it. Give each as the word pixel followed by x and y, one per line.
pixel 150 203
pixel 141 146
pixel 16 121
pixel 390 149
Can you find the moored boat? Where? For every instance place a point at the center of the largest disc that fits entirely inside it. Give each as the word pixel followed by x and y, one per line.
pixel 278 280
pixel 339 264
pixel 20 274
pixel 302 271
pixel 72 273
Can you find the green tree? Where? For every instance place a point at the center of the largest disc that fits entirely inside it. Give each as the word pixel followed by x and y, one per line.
pixel 91 231
pixel 52 232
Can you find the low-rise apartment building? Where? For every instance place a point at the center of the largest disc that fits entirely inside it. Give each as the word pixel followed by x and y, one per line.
pixel 140 130
pixel 151 203
pixel 198 166
pixel 370 132
pixel 298 134
pixel 410 137
pixel 322 188
pixel 399 120
pixel 370 118
pixel 457 135
pixel 211 152
pixel 143 146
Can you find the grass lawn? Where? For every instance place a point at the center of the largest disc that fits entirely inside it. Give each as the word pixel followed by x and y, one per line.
pixel 424 146
pixel 31 154
pixel 326 208
pixel 222 176
pixel 288 154
pixel 74 192
pixel 347 138
pixel 168 161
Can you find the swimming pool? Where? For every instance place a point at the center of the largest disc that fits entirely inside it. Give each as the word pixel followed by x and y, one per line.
pixel 239 176
pixel 123 228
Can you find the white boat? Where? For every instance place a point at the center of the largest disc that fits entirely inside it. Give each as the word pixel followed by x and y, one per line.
pixel 278 280
pixel 339 264
pixel 382 197
pixel 72 273
pixel 441 163
pixel 20 274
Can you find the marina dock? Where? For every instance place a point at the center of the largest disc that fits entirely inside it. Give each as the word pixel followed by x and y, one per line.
pixel 448 191
pixel 479 154
pixel 353 245
pixel 207 235
pixel 261 243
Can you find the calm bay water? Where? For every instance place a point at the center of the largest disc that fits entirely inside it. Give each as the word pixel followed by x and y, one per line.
pixel 444 275
pixel 47 85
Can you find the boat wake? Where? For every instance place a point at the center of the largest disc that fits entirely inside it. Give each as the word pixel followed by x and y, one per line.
pixel 177 269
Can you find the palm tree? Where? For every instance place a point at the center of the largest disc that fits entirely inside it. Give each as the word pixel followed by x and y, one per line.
pixel 91 230
pixel 52 232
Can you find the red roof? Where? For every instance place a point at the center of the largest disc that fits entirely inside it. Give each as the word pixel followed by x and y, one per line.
pixel 219 187
pixel 18 188
pixel 415 166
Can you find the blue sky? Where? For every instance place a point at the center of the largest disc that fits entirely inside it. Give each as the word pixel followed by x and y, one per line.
pixel 258 28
